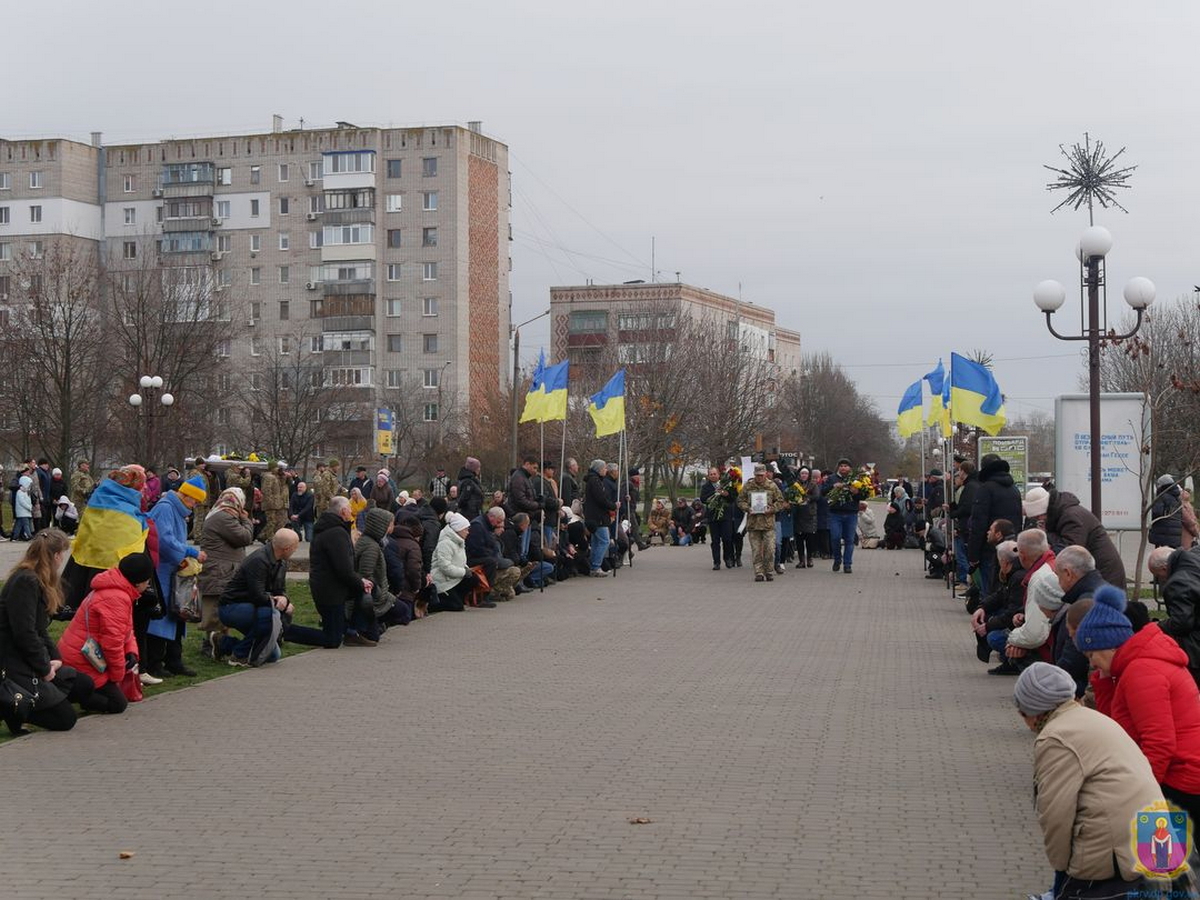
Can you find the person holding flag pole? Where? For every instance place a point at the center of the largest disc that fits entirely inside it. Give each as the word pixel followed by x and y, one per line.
pixel 607 409
pixel 553 409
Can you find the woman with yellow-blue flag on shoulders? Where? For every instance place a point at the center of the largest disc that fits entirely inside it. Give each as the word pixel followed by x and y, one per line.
pixel 111 527
pixel 164 635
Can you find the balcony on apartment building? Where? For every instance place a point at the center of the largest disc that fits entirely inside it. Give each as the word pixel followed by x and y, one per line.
pixel 195 179
pixel 188 214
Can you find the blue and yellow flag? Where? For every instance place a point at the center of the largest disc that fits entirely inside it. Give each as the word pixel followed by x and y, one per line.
pixel 908 416
pixel 947 430
pixel 535 400
pixel 607 406
pixel 935 379
pixel 111 527
pixel 975 397
pixel 554 386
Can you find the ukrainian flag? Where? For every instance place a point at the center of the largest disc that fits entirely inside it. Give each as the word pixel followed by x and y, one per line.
pixel 607 407
pixel 908 416
pixel 536 398
pixel 554 386
pixel 111 527
pixel 975 396
pixel 947 430
pixel 935 379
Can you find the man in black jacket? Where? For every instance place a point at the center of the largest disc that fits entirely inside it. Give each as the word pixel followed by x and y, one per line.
pixel 334 583
pixel 483 549
pixel 251 601
pixel 470 492
pixel 1178 571
pixel 301 511
pixel 362 481
pixel 1066 522
pixel 569 486
pixel 522 497
pixel 995 613
pixel 997 498
pixel 966 484
pixel 1080 579
pixel 598 507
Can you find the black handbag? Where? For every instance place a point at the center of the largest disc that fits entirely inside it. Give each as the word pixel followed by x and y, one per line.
pixel 16 703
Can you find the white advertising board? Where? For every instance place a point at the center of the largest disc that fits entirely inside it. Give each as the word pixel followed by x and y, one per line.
pixel 1124 428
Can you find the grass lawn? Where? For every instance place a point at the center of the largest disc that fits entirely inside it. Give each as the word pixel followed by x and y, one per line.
pixel 205 668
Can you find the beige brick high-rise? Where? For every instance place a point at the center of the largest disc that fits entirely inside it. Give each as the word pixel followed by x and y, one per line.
pixel 388 248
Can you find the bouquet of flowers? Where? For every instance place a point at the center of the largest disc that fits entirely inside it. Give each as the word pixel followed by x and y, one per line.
pixel 731 483
pixel 796 494
pixel 847 492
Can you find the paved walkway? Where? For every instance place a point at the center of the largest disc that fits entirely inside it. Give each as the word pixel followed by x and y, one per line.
pixel 824 736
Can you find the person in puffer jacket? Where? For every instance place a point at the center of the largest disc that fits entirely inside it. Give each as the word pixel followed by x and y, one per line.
pixel 369 563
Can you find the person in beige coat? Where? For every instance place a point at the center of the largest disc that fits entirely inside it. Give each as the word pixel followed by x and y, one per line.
pixel 227 533
pixel 1090 781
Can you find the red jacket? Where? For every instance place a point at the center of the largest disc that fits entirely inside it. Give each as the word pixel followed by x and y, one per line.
pixel 108 612
pixel 1153 697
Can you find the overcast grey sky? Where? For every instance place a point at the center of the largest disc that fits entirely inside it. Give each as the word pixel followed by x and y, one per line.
pixel 870 170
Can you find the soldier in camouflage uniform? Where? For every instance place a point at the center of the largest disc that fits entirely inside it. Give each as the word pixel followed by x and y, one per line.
pixel 335 472
pixel 82 485
pixel 325 488
pixel 274 501
pixel 760 525
pixel 240 478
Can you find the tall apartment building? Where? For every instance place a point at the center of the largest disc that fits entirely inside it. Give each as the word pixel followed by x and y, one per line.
pixel 588 319
pixel 386 249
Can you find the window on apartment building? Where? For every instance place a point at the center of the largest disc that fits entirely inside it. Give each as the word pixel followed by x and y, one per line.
pixel 428 237
pixel 225 175
pixel 4 216
pixel 429 200
pixel 429 166
pixel 254 208
pixel 430 412
pixel 225 242
pixel 395 378
pixel 5 285
pixel 255 311
pixel 315 343
pixel 130 215
pixel 316 203
pixel 284 274
pixel 284 206
pixel 223 348
pixel 429 271
pixel 314 170
pixel 35 285
pixel 255 174
pixel 256 275
pixel 429 306
pixel 285 240
pixel 224 382
pixel 394 202
pixel 349 234
pixel 35 214
pixel 35 179
pixel 158 213
pixel 283 171
pixel 36 250
pixel 256 381
pixel 357 199
pixel 5 252
pixel 285 343
pixel 393 238
pixel 395 343
pixel 223 415
pixel 225 279
pixel 129 250
pixel 432 377
pixel 285 310
pixel 255 346
pixel 393 272
pixel 392 307
pixel 363 161
pixel 588 321
pixel 129 183
pixel 316 240
pixel 5 181
pixel 393 168
pixel 255 243
pixel 429 343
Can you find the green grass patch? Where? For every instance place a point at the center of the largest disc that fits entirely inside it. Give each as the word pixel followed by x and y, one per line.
pixel 205 668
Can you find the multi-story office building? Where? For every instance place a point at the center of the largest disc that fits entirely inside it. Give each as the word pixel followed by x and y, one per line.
pixel 591 319
pixel 383 252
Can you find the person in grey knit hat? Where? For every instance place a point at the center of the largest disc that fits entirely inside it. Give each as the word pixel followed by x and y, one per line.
pixel 1042 688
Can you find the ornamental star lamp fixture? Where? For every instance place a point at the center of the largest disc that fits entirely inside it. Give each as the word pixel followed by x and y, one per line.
pixel 1091 177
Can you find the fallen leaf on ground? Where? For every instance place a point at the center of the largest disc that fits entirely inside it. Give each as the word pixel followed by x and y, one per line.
pixel 126 854
pixel 639 820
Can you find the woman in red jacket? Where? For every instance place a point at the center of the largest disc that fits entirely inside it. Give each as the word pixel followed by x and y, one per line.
pixel 1142 681
pixel 106 614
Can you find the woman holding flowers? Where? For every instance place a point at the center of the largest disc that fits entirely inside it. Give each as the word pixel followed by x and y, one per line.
pixel 803 497
pixel 844 492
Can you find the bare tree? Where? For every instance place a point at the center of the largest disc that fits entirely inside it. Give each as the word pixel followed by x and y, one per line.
pixel 58 319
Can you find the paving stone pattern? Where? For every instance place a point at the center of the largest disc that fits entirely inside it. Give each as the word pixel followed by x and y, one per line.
pixel 823 736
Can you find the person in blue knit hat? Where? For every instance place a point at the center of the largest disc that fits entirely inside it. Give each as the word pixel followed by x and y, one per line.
pixel 1142 681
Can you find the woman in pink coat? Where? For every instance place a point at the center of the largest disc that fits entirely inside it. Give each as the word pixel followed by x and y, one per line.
pixel 106 614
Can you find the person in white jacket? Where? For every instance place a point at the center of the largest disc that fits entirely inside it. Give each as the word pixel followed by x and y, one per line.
pixel 1043 602
pixel 23 510
pixel 452 578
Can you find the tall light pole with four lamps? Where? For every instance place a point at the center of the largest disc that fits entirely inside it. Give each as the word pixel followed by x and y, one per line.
pixel 1050 295
pixel 147 411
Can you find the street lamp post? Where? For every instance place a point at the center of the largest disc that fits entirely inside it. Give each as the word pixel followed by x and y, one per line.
pixel 516 374
pixel 1050 295
pixel 146 410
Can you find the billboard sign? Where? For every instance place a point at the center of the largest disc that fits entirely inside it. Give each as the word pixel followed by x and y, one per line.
pixel 1124 430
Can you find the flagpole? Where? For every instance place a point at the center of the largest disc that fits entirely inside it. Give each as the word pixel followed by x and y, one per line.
pixel 628 499
pixel 924 561
pixel 542 512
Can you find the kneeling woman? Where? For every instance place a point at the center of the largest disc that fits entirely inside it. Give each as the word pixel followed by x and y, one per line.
pixel 106 615
pixel 28 655
pixel 452 578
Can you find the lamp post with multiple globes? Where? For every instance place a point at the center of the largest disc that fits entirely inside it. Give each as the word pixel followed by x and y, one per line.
pixel 147 411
